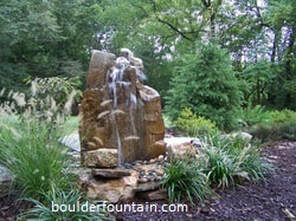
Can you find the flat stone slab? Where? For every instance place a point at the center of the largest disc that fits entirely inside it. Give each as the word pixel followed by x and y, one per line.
pixel 72 141
pixel 111 173
pixel 147 186
pixel 153 195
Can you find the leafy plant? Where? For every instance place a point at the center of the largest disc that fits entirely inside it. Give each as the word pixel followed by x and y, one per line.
pixel 281 126
pixel 283 116
pixel 221 168
pixel 252 163
pixel 193 125
pixel 205 82
pixel 184 178
pixel 254 115
pixel 30 150
pixel 230 159
pixel 288 130
pixel 45 210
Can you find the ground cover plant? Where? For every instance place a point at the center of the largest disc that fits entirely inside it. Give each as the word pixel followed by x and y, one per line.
pixel 185 179
pixel 43 209
pixel 223 162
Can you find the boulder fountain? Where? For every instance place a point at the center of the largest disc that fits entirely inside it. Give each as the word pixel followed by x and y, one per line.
pixel 121 119
pixel 121 130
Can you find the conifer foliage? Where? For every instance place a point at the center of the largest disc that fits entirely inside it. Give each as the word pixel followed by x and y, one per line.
pixel 205 82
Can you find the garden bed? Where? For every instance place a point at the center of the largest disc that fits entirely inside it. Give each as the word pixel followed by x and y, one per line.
pixel 273 199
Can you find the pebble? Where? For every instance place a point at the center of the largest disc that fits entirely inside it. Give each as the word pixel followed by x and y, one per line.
pixel 160 157
pixel 152 161
pixel 159 172
pixel 143 180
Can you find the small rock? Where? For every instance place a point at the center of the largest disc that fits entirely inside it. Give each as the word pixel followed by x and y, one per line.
pixel 179 147
pixel 71 141
pixel 152 161
pixel 151 178
pixel 159 172
pixel 147 186
pixel 101 158
pixel 160 157
pixel 153 195
pixel 143 180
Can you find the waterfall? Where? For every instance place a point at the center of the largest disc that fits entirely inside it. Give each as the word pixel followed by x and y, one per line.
pixel 115 78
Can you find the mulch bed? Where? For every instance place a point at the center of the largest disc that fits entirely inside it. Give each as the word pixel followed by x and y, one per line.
pixel 10 207
pixel 272 199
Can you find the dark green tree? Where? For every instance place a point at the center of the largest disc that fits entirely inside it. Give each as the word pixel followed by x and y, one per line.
pixel 205 82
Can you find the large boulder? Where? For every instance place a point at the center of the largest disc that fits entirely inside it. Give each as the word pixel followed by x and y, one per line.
pixel 119 112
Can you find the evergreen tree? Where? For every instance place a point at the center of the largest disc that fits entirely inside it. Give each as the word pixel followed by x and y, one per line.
pixel 205 82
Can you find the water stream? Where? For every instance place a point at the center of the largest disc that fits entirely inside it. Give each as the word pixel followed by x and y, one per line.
pixel 115 79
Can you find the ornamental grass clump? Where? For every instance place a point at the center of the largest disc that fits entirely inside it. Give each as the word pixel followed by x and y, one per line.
pixel 31 152
pixel 184 179
pixel 63 205
pixel 230 159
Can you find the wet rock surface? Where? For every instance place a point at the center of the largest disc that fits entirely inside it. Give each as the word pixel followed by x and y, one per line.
pixel 119 112
pixel 121 183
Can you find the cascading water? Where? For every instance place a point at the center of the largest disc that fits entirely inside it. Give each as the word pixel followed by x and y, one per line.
pixel 116 79
pixel 120 115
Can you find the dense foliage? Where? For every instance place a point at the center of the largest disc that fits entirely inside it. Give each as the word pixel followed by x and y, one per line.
pixel 205 82
pixel 185 178
pixel 193 125
pixel 180 42
pixel 222 162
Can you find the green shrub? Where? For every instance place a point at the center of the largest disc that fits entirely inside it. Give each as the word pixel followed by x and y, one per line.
pixel 281 126
pixel 30 150
pixel 57 88
pixel 254 115
pixel 44 210
pixel 283 116
pixel 205 82
pixel 193 125
pixel 184 178
pixel 288 130
pixel 264 132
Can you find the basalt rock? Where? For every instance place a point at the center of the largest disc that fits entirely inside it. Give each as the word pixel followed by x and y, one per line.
pixel 119 112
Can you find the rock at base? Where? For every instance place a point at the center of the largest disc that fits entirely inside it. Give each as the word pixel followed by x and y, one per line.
pixel 102 158
pixel 179 147
pixel 112 190
pixel 111 173
pixel 142 187
pixel 153 195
